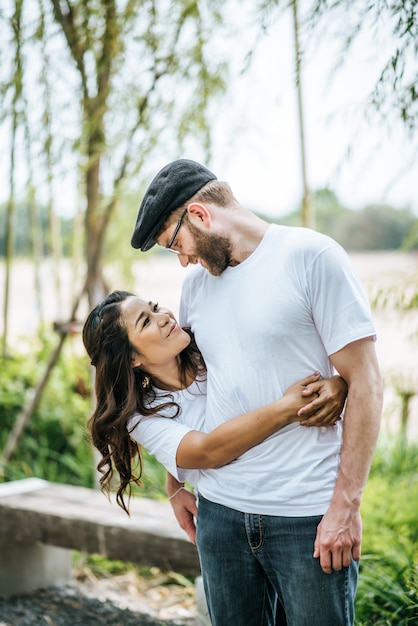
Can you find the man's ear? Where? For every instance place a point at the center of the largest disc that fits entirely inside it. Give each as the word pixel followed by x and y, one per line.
pixel 200 211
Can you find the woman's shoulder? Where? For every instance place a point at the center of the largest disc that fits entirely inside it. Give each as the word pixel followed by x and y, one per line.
pixel 190 398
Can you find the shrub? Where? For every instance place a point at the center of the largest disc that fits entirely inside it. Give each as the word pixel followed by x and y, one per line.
pixel 54 445
pixel 388 587
pixel 388 583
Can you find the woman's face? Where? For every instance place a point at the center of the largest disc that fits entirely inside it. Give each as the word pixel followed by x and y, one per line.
pixel 154 333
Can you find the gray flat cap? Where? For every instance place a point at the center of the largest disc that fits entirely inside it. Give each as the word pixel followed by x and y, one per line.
pixel 172 186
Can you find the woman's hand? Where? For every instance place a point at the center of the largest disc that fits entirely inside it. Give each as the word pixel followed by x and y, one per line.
pixel 327 405
pixel 317 402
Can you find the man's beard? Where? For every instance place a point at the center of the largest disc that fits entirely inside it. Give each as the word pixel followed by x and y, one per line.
pixel 214 250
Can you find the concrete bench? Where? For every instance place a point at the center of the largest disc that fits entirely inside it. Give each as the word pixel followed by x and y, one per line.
pixel 42 522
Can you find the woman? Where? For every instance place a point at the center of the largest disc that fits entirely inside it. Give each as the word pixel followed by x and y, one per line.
pixel 151 390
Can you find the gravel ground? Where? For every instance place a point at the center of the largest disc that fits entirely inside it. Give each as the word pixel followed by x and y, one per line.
pixel 117 601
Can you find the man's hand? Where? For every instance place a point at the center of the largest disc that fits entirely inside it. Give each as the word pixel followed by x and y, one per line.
pixel 338 539
pixel 327 404
pixel 184 506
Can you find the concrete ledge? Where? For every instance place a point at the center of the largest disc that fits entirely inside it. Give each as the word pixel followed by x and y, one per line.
pixel 29 566
pixel 83 519
pixel 42 522
pixel 22 486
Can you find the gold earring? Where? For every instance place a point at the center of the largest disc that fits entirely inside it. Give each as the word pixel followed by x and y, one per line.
pixel 145 382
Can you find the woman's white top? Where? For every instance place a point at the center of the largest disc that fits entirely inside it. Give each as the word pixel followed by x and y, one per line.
pixel 161 434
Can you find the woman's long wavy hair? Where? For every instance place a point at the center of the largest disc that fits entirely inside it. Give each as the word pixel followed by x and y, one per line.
pixel 122 390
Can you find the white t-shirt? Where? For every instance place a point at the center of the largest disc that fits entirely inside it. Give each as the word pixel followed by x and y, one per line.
pixel 261 326
pixel 161 436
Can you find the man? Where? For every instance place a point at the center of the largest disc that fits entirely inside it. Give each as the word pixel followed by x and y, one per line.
pixel 281 525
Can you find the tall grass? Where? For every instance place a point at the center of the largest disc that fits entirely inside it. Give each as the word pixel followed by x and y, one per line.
pixel 388 587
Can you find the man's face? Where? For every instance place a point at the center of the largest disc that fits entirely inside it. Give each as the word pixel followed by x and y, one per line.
pixel 193 245
pixel 214 252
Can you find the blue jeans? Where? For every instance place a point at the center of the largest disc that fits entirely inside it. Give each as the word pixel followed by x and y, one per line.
pixel 258 570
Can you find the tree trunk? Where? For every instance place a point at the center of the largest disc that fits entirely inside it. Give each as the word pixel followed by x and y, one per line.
pixel 36 247
pixel 35 232
pixel 307 213
pixel 8 261
pixel 10 213
pixel 9 237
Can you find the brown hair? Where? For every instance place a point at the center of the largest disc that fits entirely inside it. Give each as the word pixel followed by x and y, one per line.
pixel 215 192
pixel 122 390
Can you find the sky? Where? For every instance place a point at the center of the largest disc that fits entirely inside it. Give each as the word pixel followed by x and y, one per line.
pixel 255 125
pixel 255 129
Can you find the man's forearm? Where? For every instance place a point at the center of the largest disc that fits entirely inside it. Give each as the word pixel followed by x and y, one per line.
pixel 358 364
pixel 360 433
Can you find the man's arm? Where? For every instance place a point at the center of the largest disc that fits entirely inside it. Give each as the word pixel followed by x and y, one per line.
pixel 339 533
pixel 184 506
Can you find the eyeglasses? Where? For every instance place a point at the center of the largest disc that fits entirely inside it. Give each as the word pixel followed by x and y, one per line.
pixel 176 230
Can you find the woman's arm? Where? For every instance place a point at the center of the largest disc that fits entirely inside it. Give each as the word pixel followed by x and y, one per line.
pixel 225 443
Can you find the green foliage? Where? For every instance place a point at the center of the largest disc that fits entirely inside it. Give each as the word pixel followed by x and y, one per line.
pixel 126 83
pixel 153 478
pixel 97 566
pixel 17 378
pixel 395 459
pixel 100 566
pixel 411 240
pixel 388 584
pixel 392 24
pixel 375 227
pixel 120 259
pixel 54 445
pixel 390 511
pixel 22 245
pixel 388 588
pixel 22 227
